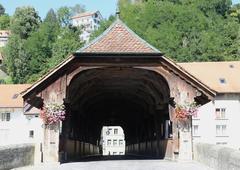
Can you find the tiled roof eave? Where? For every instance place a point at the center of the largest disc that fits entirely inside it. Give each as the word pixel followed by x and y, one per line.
pixel 129 54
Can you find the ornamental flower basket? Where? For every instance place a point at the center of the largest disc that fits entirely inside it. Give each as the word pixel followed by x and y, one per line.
pixel 185 111
pixel 52 113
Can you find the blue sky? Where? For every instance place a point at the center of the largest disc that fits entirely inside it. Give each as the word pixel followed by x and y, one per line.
pixel 106 7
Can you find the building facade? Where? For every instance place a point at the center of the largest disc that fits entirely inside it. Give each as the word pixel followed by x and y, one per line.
pixel 217 121
pixel 89 21
pixel 15 127
pixel 4 35
pixel 112 140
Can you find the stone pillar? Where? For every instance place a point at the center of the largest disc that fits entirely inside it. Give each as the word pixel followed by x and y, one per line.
pixel 185 140
pixel 51 143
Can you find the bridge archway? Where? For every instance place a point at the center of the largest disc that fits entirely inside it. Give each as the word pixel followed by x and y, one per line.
pixel 133 98
pixel 117 79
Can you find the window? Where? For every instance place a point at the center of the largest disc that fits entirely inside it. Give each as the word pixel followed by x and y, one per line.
pixel 114 142
pixel 220 113
pixel 108 132
pixel 109 142
pixel 195 130
pixel 120 142
pixel 221 130
pixel 120 153
pixel 222 80
pixel 115 131
pixel 5 117
pixel 114 153
pixel 31 134
pixel 221 143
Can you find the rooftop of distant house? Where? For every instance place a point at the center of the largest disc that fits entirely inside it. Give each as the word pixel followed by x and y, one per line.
pixel 85 14
pixel 10 96
pixel 4 33
pixel 223 77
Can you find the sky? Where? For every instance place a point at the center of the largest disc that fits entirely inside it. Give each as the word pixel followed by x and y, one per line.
pixel 106 7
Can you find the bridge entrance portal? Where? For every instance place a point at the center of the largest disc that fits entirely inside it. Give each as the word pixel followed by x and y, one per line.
pixel 136 99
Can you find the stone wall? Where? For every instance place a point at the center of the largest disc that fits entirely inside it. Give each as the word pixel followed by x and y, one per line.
pixel 149 149
pixel 77 149
pixel 14 156
pixel 217 157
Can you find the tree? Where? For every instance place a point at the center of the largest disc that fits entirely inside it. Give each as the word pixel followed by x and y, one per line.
pixel 4 22
pixel 235 11
pixel 24 21
pixel 39 45
pixel 78 8
pixel 51 17
pixel 64 15
pixel 185 30
pixel 67 42
pixel 15 59
pixel 214 6
pixel 2 10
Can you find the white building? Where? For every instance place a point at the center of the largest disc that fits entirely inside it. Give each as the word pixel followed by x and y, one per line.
pixel 15 127
pixel 89 21
pixel 112 140
pixel 218 121
pixel 4 35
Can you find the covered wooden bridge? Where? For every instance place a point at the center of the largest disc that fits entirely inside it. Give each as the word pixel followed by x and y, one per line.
pixel 118 79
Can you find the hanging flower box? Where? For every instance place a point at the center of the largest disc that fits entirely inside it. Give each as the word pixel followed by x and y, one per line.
pixel 52 113
pixel 185 111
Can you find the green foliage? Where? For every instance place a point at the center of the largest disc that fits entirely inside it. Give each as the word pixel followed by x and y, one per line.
pixel 67 42
pixel 4 19
pixel 186 30
pixel 2 10
pixel 51 17
pixel 64 14
pixel 39 46
pixel 78 8
pixel 15 59
pixel 24 21
pixel 35 47
pixel 104 24
pixel 6 80
pixel 235 11
pixel 4 22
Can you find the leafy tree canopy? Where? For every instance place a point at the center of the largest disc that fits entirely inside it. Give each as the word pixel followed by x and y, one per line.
pixel 2 10
pixel 35 46
pixel 186 30
pixel 78 8
pixel 4 22
pixel 24 21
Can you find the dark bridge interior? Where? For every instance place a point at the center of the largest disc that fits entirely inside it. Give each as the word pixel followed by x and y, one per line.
pixel 135 99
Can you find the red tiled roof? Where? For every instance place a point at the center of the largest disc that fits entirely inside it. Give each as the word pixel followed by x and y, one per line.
pixel 119 39
pixel 84 14
pixel 10 95
pixel 210 73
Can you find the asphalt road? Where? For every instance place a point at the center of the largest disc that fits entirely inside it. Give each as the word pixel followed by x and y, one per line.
pixel 123 165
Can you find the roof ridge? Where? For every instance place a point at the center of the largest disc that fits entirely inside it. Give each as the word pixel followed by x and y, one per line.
pixel 98 37
pixel 118 21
